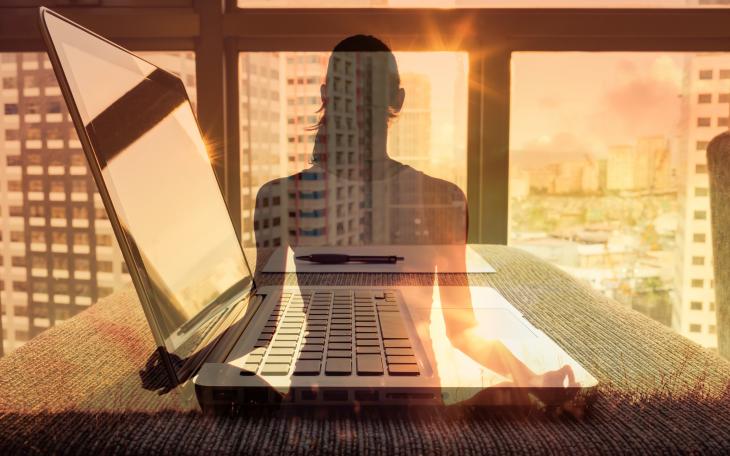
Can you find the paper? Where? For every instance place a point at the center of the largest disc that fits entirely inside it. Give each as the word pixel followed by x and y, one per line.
pixel 416 258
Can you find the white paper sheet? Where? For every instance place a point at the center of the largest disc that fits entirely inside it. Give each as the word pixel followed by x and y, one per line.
pixel 417 258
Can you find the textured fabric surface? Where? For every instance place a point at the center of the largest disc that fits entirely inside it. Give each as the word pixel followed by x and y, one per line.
pixel 77 387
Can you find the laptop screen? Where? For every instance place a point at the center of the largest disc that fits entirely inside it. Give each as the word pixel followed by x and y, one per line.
pixel 156 168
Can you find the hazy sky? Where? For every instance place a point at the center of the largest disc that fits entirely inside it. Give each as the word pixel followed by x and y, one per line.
pixel 579 101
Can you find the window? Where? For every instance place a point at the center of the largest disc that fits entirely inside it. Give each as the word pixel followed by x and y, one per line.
pixel 59 237
pixel 81 264
pixel 78 186
pixel 587 182
pixel 103 239
pixel 36 210
pixel 10 82
pixel 58 212
pixel 429 133
pixel 12 135
pixel 58 186
pixel 696 305
pixel 695 328
pixel 11 109
pixel 724 74
pixel 80 213
pixel 37 236
pixel 60 262
pixel 81 238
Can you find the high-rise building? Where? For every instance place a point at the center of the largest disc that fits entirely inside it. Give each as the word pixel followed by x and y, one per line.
pixel 652 164
pixel 262 140
pixel 58 253
pixel 620 168
pixel 706 109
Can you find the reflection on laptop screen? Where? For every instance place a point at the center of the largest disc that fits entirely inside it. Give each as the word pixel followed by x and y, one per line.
pixel 157 171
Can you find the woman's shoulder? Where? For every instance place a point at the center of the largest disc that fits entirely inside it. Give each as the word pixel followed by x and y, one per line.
pixel 430 183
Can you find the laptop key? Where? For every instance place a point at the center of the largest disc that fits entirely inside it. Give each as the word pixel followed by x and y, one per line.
pixel 339 353
pixel 368 342
pixel 339 346
pixel 314 340
pixel 288 351
pixel 313 348
pixel 345 339
pixel 307 367
pixel 278 359
pixel 367 350
pixel 403 369
pixel 284 343
pixel 397 343
pixel 399 352
pixel 249 369
pixel 369 365
pixel 310 355
pixel 254 359
pixel 275 369
pixel 338 366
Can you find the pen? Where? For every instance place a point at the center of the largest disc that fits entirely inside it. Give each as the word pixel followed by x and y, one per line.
pixel 334 258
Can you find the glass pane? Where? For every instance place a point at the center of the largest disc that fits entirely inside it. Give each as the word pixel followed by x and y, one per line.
pixel 482 3
pixel 281 105
pixel 608 175
pixel 58 253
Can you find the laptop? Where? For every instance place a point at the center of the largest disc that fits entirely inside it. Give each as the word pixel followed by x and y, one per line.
pixel 241 344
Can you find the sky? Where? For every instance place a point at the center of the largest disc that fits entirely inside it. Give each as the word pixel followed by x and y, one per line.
pixel 581 102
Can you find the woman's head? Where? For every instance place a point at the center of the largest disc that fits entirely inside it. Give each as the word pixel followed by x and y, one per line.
pixel 360 94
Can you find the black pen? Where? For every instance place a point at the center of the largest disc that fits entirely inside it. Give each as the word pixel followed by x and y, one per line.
pixel 335 258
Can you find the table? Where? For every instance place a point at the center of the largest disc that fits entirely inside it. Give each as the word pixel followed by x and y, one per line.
pixel 77 387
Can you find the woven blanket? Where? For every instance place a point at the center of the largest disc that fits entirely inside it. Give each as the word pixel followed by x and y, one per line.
pixel 77 388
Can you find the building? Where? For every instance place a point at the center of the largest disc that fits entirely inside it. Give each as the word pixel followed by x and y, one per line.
pixel 620 168
pixel 58 253
pixel 262 138
pixel 652 164
pixel 706 109
pixel 645 166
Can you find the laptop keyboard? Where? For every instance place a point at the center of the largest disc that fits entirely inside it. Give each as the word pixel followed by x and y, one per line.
pixel 337 333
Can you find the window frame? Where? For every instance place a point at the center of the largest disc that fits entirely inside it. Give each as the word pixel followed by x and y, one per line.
pixel 218 30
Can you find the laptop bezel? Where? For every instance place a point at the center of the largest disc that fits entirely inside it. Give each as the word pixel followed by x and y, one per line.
pixel 137 273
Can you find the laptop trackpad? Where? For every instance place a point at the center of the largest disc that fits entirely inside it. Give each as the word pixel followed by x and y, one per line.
pixel 493 323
